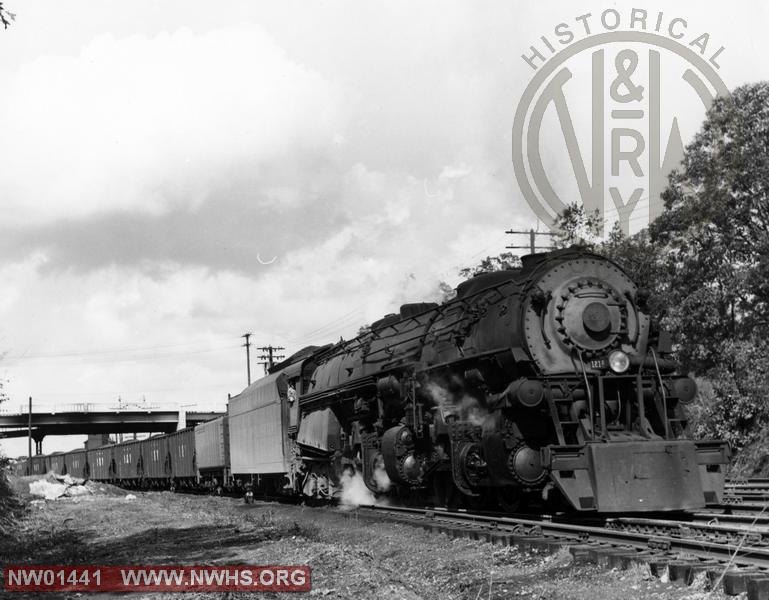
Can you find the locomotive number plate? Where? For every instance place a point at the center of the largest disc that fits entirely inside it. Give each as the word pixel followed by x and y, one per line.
pixel 599 363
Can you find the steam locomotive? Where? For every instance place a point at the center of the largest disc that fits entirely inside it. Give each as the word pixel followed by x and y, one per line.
pixel 544 384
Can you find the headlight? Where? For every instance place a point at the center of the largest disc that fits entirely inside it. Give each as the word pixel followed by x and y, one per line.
pixel 618 361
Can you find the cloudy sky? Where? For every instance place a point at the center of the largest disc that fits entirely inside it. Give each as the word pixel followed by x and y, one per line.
pixel 175 174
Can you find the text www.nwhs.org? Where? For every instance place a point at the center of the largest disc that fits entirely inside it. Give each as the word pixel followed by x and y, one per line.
pixel 148 578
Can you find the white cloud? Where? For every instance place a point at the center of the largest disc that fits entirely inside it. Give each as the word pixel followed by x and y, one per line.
pixel 153 123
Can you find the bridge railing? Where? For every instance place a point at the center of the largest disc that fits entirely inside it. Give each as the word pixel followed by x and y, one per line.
pixel 12 409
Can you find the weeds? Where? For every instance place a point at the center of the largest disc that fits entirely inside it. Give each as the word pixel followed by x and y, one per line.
pixel 12 508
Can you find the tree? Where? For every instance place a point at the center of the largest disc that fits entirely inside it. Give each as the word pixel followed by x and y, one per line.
pixel 5 16
pixel 506 260
pixel 732 402
pixel 714 241
pixel 715 230
pixel 575 226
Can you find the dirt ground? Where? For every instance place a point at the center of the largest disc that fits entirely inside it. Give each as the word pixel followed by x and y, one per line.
pixel 349 559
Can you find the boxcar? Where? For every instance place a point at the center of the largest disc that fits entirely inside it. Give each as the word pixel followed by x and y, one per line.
pixel 156 461
pixel 39 465
pixel 258 427
pixel 128 460
pixel 181 448
pixel 212 451
pixel 76 464
pixel 56 463
pixel 101 463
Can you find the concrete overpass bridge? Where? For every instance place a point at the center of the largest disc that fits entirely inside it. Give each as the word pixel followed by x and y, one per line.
pixel 94 418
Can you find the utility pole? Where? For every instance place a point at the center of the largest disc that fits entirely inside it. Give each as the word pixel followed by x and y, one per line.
pixel 29 438
pixel 269 359
pixel 248 355
pixel 532 247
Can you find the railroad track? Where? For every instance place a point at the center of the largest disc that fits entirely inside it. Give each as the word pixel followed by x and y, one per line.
pixel 753 517
pixel 734 557
pixel 755 491
pixel 729 542
pixel 760 482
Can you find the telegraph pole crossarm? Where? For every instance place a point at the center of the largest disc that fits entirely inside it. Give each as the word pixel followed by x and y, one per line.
pixel 532 247
pixel 268 359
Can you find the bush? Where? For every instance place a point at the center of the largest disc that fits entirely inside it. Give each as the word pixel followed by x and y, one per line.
pixel 11 507
pixel 731 404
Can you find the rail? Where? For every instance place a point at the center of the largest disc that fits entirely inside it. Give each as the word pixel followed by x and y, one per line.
pixel 639 537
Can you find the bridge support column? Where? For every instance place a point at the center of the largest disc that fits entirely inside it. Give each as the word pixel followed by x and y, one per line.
pixel 38 446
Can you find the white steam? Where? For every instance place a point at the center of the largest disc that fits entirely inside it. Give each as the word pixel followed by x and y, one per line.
pixel 381 478
pixel 472 411
pixel 354 490
pixel 461 405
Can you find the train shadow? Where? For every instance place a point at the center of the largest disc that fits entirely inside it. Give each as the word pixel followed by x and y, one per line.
pixel 166 545
pixel 45 546
pixel 184 545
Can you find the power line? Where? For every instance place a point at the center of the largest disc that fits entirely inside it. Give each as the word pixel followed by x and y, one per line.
pixel 330 332
pixel 129 359
pixel 484 250
pixel 72 354
pixel 342 321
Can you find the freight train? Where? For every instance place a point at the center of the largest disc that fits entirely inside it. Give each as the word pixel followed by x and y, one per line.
pixel 548 384
pixel 191 458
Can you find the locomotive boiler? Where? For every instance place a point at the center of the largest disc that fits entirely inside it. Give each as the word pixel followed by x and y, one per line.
pixel 547 382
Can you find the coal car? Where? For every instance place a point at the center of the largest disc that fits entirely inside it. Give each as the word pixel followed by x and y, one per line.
pixel 101 463
pixel 56 463
pixel 212 451
pixel 75 464
pixel 181 450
